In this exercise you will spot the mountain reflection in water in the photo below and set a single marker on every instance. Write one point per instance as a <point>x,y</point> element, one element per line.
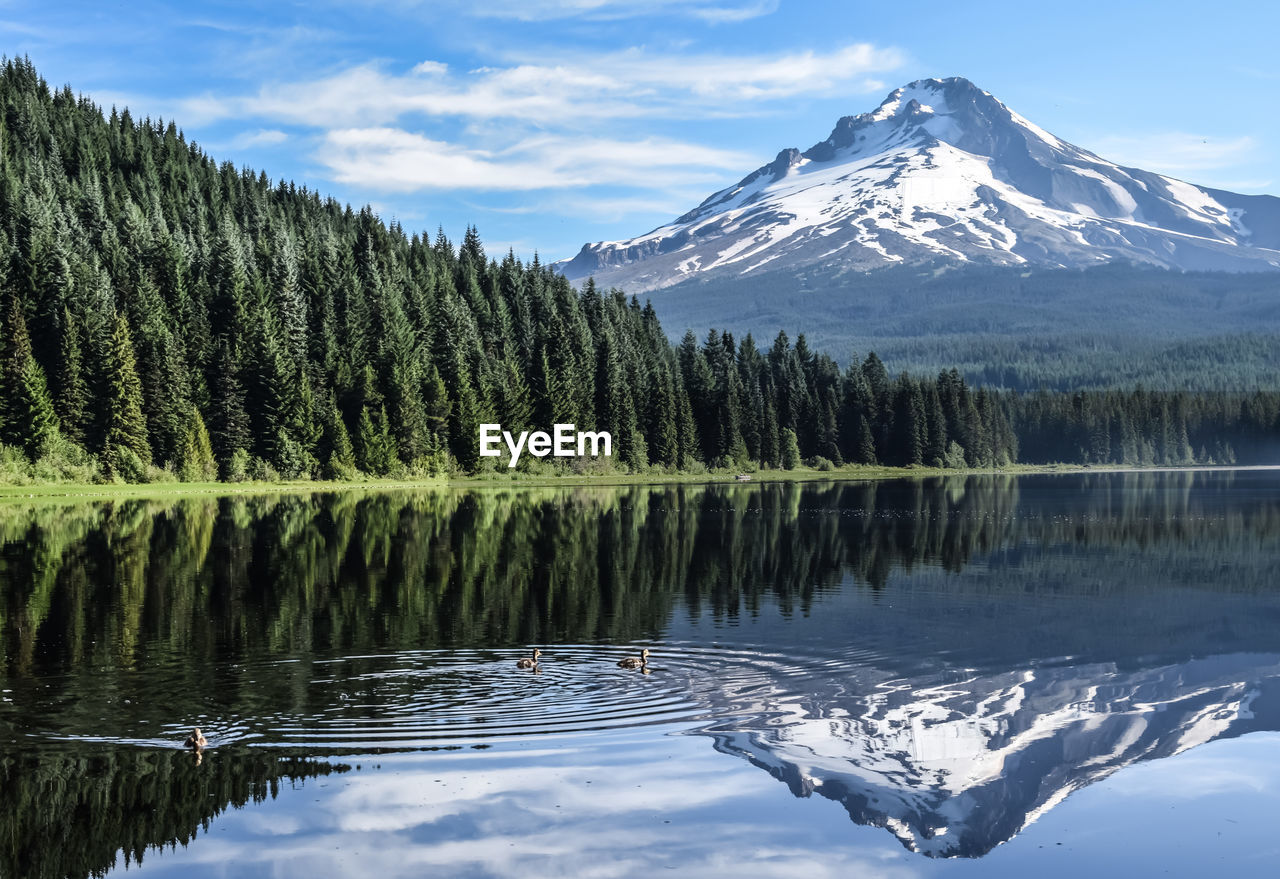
<point>946,658</point>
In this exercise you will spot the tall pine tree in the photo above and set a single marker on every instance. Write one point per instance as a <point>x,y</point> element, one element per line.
<point>126,427</point>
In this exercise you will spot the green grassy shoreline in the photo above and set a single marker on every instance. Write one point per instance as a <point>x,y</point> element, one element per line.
<point>89,492</point>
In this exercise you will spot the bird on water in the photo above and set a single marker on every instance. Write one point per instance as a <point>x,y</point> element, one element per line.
<point>640,661</point>
<point>530,661</point>
<point>195,740</point>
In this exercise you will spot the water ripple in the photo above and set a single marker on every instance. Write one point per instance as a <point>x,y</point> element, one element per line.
<point>430,698</point>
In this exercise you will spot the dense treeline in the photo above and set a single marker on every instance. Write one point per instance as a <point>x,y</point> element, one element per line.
<point>753,407</point>
<point>1070,361</point>
<point>1015,327</point>
<point>163,311</point>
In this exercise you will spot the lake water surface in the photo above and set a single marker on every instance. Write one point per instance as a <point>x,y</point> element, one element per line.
<point>995,676</point>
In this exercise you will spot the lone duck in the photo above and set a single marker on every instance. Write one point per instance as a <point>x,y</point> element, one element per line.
<point>530,661</point>
<point>635,661</point>
<point>196,740</point>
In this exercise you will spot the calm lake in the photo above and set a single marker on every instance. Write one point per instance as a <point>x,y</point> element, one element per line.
<point>1047,675</point>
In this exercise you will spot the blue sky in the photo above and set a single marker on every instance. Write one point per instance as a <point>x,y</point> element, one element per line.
<point>550,123</point>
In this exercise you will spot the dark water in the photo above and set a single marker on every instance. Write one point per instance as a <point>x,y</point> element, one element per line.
<point>984,675</point>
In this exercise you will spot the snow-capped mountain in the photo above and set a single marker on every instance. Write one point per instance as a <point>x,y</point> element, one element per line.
<point>944,172</point>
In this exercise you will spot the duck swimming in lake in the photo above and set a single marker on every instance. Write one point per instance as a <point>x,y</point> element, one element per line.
<point>530,661</point>
<point>640,661</point>
<point>195,740</point>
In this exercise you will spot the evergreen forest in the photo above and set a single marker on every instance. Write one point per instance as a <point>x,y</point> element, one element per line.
<point>167,316</point>
<point>1014,327</point>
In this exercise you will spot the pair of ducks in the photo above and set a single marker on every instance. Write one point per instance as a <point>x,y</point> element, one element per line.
<point>641,661</point>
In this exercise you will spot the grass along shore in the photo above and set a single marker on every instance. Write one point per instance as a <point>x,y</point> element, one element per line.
<point>115,491</point>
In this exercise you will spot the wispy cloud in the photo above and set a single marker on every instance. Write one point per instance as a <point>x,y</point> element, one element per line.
<point>668,202</point>
<point>22,28</point>
<point>1176,153</point>
<point>627,84</point>
<point>1257,73</point>
<point>713,11</point>
<point>601,133</point>
<point>394,160</point>
<point>527,125</point>
<point>261,137</point>
<point>722,13</point>
<point>587,818</point>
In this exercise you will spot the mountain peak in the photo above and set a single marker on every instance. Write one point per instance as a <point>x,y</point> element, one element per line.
<point>943,171</point>
<point>927,92</point>
<point>951,110</point>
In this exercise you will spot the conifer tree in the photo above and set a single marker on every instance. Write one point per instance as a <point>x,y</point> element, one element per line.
<point>750,365</point>
<point>340,459</point>
<point>790,449</point>
<point>73,388</point>
<point>376,451</point>
<point>27,418</point>
<point>661,423</point>
<point>699,383</point>
<point>975,444</point>
<point>408,414</point>
<point>436,402</point>
<point>908,423</point>
<point>229,308</point>
<point>229,420</point>
<point>882,402</point>
<point>287,292</point>
<point>196,462</point>
<point>686,427</point>
<point>613,405</point>
<point>126,426</point>
<point>770,441</point>
<point>935,451</point>
<point>865,445</point>
<point>457,350</point>
<point>828,439</point>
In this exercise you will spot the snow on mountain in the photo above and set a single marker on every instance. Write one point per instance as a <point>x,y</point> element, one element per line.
<point>942,171</point>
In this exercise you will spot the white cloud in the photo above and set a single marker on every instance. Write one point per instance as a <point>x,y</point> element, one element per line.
<point>391,159</point>
<point>1176,153</point>
<point>431,68</point>
<point>586,121</point>
<point>261,137</point>
<point>588,817</point>
<point>712,11</point>
<point>1234,767</point>
<point>8,26</point>
<point>721,13</point>
<point>669,202</point>
<point>1257,73</point>
<point>579,89</point>
<point>713,79</point>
